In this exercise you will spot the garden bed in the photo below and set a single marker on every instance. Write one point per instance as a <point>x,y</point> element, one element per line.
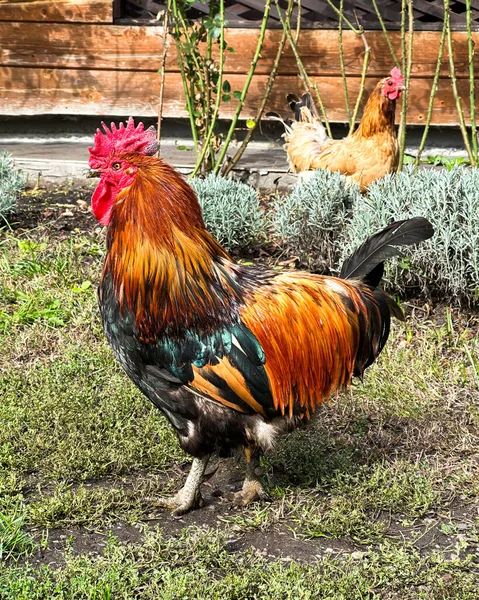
<point>378,498</point>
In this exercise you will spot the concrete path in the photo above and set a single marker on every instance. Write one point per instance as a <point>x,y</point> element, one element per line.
<point>55,151</point>
<point>48,162</point>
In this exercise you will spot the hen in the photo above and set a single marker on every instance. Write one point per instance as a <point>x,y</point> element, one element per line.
<point>231,355</point>
<point>363,156</point>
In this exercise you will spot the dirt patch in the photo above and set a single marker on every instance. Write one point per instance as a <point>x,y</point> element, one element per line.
<point>279,543</point>
<point>449,529</point>
<point>60,212</point>
<point>452,533</point>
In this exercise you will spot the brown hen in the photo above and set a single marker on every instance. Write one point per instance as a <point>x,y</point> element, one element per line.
<point>371,152</point>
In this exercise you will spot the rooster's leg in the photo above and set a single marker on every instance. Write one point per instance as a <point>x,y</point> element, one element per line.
<point>252,487</point>
<point>189,497</point>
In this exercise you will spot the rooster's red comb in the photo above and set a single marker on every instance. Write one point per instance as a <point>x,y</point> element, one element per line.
<point>118,140</point>
<point>397,76</point>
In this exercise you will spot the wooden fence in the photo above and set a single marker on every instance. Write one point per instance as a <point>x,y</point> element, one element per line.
<point>70,58</point>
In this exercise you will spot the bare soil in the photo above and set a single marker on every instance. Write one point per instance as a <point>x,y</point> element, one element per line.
<point>61,212</point>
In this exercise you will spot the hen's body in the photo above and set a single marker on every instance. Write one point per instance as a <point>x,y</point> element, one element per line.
<point>369,153</point>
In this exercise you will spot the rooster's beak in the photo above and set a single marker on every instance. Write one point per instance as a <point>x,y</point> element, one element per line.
<point>92,173</point>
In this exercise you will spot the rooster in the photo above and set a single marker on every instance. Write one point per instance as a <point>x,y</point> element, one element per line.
<point>232,355</point>
<point>367,154</point>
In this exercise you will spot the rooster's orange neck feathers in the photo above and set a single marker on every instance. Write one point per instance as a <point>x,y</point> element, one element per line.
<point>165,267</point>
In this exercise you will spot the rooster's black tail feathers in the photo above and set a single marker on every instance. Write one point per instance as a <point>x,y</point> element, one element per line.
<point>367,262</point>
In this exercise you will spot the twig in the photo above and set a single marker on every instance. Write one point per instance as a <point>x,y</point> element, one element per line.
<point>452,68</point>
<point>341,16</point>
<point>266,94</point>
<point>298,22</point>
<point>341,63</point>
<point>219,89</point>
<point>386,33</point>
<point>184,79</point>
<point>367,52</point>
<point>407,67</point>
<point>308,84</point>
<point>432,94</point>
<point>472,93</point>
<point>206,70</point>
<point>185,31</point>
<point>185,56</point>
<point>162,72</point>
<point>249,77</point>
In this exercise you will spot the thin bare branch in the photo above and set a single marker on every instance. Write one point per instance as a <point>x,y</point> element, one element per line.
<point>166,41</point>
<point>432,94</point>
<point>407,40</point>
<point>452,69</point>
<point>341,64</point>
<point>367,53</point>
<point>259,113</point>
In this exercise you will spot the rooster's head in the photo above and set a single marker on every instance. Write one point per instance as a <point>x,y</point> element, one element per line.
<point>109,163</point>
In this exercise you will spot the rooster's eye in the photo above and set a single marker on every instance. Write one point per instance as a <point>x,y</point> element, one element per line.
<point>116,166</point>
<point>390,82</point>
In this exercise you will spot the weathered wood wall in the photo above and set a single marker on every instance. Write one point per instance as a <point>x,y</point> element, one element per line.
<point>76,61</point>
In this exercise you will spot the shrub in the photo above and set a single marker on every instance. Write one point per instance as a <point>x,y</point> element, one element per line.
<point>310,220</point>
<point>231,211</point>
<point>449,262</point>
<point>12,183</point>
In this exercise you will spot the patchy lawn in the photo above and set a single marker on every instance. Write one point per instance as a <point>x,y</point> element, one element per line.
<point>378,498</point>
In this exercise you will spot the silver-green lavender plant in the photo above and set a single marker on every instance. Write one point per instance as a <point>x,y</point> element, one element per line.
<point>231,211</point>
<point>309,221</point>
<point>12,182</point>
<point>449,262</point>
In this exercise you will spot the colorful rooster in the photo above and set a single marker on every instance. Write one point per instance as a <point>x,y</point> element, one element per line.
<point>369,153</point>
<point>231,355</point>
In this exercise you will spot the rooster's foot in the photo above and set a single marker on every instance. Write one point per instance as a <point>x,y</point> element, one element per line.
<point>189,497</point>
<point>181,503</point>
<point>252,490</point>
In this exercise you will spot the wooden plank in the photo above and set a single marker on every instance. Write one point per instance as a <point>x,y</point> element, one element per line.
<point>58,11</point>
<point>31,91</point>
<point>319,51</point>
<point>114,47</point>
<point>82,46</point>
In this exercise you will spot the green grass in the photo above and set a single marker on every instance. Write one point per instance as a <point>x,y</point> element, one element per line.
<point>162,568</point>
<point>378,498</point>
<point>14,541</point>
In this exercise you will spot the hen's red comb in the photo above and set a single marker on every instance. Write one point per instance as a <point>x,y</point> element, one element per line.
<point>122,139</point>
<point>397,76</point>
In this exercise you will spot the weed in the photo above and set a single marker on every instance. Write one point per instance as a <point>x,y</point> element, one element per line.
<point>14,541</point>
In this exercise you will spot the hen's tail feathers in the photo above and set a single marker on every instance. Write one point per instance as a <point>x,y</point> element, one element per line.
<point>272,116</point>
<point>304,109</point>
<point>307,136</point>
<point>367,262</point>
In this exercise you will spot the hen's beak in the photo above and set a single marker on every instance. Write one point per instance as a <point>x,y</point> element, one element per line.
<point>92,173</point>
